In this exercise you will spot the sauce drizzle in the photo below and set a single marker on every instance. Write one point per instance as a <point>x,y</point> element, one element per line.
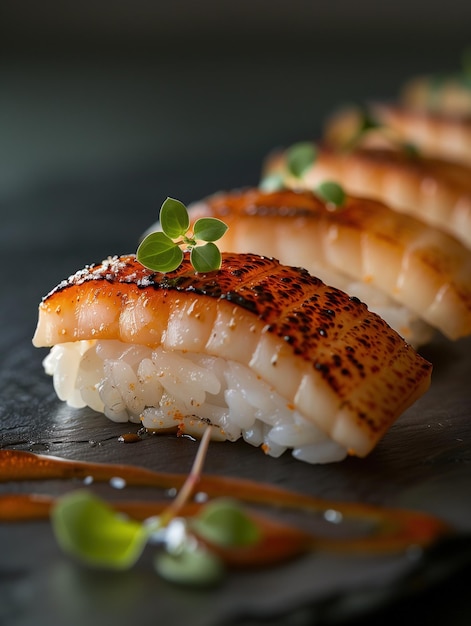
<point>390,529</point>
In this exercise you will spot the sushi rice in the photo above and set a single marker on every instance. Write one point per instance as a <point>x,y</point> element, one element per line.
<point>169,389</point>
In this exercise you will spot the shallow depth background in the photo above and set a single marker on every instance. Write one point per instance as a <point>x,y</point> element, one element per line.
<point>105,109</point>
<point>107,104</point>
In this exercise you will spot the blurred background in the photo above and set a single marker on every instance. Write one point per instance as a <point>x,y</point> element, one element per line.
<point>107,107</point>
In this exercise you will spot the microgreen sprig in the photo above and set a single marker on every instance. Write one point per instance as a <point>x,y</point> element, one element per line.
<point>299,158</point>
<point>367,123</point>
<point>162,251</point>
<point>88,529</point>
<point>437,82</point>
<point>332,193</point>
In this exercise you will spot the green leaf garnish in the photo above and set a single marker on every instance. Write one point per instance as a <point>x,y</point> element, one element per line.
<point>331,193</point>
<point>174,218</point>
<point>191,566</point>
<point>158,251</point>
<point>299,158</point>
<point>206,258</point>
<point>272,182</point>
<point>209,229</point>
<point>410,149</point>
<point>88,529</point>
<point>91,531</point>
<point>223,522</point>
<point>466,68</point>
<point>367,122</point>
<point>466,60</point>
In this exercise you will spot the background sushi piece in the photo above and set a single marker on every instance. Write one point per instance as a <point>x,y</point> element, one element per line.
<point>119,98</point>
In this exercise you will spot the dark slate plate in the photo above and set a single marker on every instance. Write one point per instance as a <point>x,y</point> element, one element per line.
<point>424,463</point>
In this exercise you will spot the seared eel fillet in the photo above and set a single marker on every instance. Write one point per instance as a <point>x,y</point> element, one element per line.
<point>335,364</point>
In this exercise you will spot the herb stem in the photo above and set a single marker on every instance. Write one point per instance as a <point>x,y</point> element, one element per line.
<point>189,241</point>
<point>192,479</point>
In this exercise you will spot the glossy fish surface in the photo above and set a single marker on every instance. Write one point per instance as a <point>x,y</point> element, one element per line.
<point>338,363</point>
<point>418,266</point>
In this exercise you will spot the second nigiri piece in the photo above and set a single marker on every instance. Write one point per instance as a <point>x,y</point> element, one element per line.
<point>435,191</point>
<point>416,277</point>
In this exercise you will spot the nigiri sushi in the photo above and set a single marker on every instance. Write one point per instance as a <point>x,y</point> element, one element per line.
<point>434,112</point>
<point>448,94</point>
<point>435,134</point>
<point>414,276</point>
<point>434,191</point>
<point>256,350</point>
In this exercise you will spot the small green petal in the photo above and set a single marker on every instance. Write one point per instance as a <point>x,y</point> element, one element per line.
<point>192,566</point>
<point>367,121</point>
<point>209,229</point>
<point>411,150</point>
<point>465,80</point>
<point>89,530</point>
<point>331,193</point>
<point>206,258</point>
<point>158,252</point>
<point>223,522</point>
<point>466,62</point>
<point>300,156</point>
<point>272,182</point>
<point>174,218</point>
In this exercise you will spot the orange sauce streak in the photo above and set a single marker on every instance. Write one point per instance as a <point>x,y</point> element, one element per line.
<point>393,529</point>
